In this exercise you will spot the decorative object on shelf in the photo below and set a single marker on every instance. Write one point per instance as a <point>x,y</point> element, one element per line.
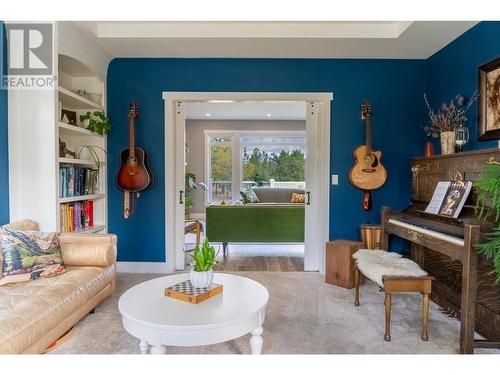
<point>461,137</point>
<point>489,101</point>
<point>447,142</point>
<point>82,93</point>
<point>97,122</point>
<point>202,274</point>
<point>431,132</point>
<point>450,116</point>
<point>134,174</point>
<point>95,97</point>
<point>185,291</point>
<point>88,152</point>
<point>367,173</point>
<point>63,151</point>
<point>190,185</point>
<point>68,117</point>
<point>488,205</point>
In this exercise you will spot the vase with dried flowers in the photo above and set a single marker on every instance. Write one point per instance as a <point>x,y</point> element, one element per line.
<point>450,116</point>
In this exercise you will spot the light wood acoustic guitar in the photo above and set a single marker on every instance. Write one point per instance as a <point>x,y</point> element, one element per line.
<point>367,173</point>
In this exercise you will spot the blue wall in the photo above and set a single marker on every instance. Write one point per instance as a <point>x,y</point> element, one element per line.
<point>4,163</point>
<point>393,86</point>
<point>453,70</point>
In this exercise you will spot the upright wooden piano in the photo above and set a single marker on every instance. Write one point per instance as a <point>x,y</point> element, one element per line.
<point>444,247</point>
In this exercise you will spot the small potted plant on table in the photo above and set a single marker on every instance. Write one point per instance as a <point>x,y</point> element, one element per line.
<point>202,274</point>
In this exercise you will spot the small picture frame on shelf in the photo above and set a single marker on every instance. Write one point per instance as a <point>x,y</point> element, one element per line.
<point>68,117</point>
<point>489,101</point>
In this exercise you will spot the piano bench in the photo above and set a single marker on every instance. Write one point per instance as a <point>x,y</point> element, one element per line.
<point>394,274</point>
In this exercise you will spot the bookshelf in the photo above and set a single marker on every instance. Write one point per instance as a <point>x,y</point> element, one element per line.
<point>74,76</point>
<point>35,127</point>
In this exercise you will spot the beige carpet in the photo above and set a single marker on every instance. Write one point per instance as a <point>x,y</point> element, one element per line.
<point>305,315</point>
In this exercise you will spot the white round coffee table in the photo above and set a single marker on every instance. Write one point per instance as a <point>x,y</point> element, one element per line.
<point>162,321</point>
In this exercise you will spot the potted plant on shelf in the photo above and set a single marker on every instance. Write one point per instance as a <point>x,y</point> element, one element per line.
<point>202,274</point>
<point>488,206</point>
<point>450,116</point>
<point>89,152</point>
<point>97,122</point>
<point>190,185</point>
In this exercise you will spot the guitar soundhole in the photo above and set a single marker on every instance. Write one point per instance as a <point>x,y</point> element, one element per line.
<point>132,162</point>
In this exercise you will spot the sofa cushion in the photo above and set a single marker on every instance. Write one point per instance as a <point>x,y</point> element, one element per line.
<point>30,310</point>
<point>25,224</point>
<point>29,255</point>
<point>249,196</point>
<point>277,195</point>
<point>298,198</point>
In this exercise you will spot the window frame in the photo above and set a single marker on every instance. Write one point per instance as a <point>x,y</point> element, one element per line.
<point>237,157</point>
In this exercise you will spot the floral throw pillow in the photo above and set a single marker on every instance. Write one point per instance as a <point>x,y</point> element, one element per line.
<point>249,196</point>
<point>298,198</point>
<point>29,255</point>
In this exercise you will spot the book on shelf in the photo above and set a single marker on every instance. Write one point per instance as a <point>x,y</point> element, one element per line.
<point>76,216</point>
<point>449,198</point>
<point>77,181</point>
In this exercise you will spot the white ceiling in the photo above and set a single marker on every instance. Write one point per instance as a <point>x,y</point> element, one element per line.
<point>278,110</point>
<point>398,40</point>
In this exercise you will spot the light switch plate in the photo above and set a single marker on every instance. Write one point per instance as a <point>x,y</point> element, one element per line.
<point>335,179</point>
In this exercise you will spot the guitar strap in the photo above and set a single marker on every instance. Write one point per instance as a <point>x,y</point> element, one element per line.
<point>126,204</point>
<point>129,203</point>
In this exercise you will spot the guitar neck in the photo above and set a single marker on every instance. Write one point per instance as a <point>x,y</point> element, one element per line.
<point>368,135</point>
<point>131,137</point>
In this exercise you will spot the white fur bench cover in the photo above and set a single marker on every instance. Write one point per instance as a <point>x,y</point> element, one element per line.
<point>377,263</point>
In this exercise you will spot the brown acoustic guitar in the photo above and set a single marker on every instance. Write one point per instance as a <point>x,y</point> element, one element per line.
<point>367,173</point>
<point>134,174</point>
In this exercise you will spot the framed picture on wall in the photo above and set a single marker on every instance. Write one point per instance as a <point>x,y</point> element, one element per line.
<point>489,101</point>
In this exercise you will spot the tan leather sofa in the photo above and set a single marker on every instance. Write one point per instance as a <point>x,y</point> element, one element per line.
<point>34,314</point>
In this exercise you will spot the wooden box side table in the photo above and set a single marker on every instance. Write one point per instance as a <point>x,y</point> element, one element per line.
<point>339,263</point>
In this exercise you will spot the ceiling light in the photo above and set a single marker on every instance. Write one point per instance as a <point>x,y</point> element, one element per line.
<point>208,114</point>
<point>268,115</point>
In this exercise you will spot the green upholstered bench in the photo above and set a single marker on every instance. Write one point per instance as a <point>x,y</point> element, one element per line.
<point>260,222</point>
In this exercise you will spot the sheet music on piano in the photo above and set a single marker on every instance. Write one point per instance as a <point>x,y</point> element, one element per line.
<point>449,198</point>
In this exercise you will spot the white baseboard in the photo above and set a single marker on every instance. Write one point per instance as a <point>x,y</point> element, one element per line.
<point>141,267</point>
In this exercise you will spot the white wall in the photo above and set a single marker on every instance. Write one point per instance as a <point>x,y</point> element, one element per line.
<point>195,139</point>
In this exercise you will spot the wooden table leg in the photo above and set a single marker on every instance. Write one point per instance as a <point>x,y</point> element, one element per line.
<point>198,233</point>
<point>425,317</point>
<point>388,305</point>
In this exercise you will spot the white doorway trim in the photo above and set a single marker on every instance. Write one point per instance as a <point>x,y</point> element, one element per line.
<point>321,101</point>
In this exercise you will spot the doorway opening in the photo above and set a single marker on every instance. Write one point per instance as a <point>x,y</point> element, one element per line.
<point>238,148</point>
<point>270,155</point>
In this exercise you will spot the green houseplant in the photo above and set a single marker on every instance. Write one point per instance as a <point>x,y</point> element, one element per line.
<point>204,257</point>
<point>488,206</point>
<point>88,151</point>
<point>98,122</point>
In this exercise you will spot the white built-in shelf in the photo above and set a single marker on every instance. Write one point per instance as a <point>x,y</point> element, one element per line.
<point>74,101</point>
<point>94,229</point>
<point>78,161</point>
<point>68,129</point>
<point>92,197</point>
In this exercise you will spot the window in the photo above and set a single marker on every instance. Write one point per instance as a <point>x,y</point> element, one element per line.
<point>220,168</point>
<point>273,160</point>
<point>266,159</point>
